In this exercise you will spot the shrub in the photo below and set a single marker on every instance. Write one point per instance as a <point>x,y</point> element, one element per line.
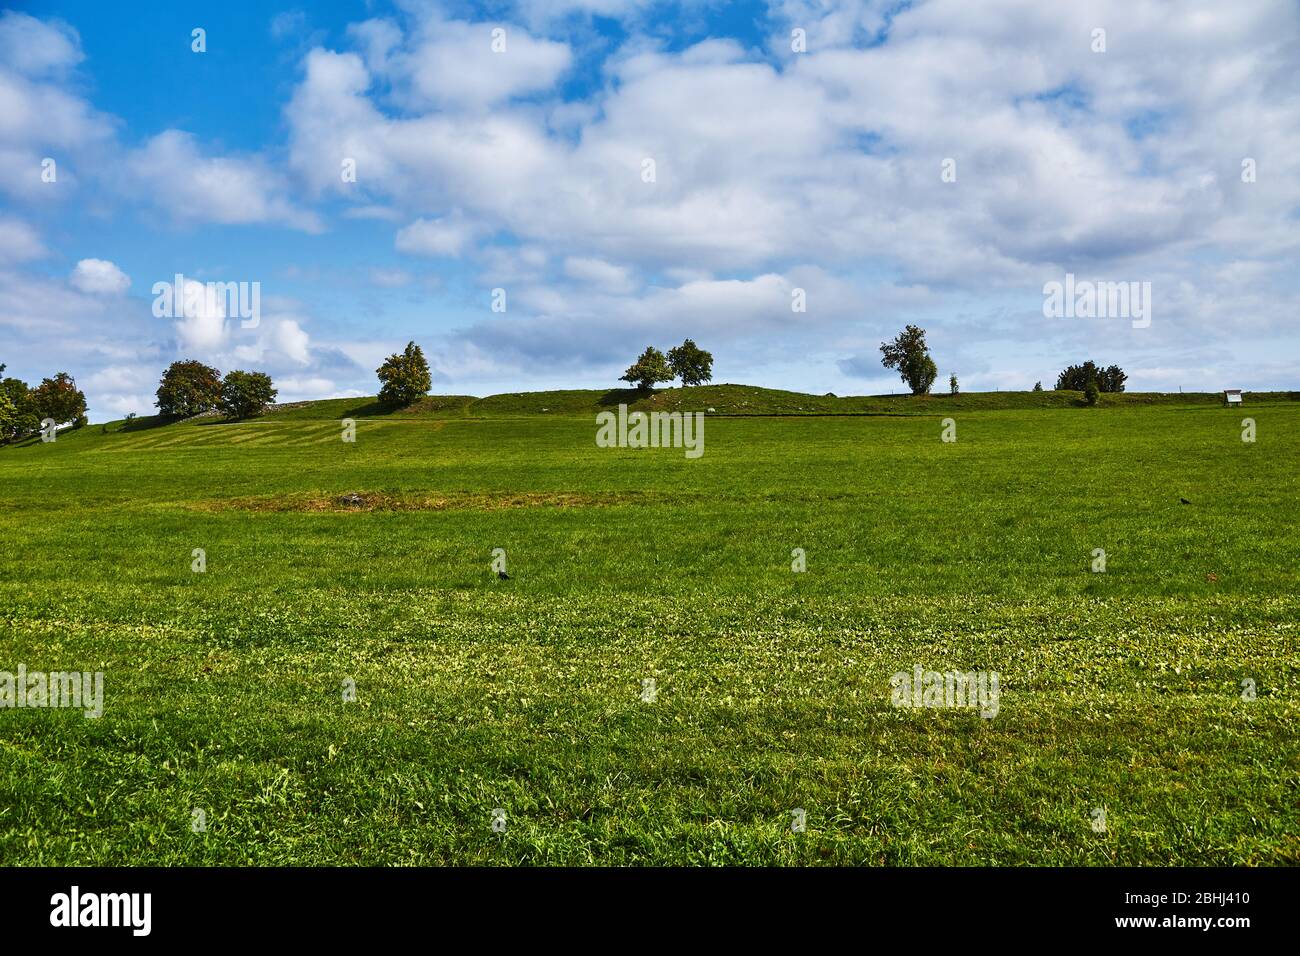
<point>1092,393</point>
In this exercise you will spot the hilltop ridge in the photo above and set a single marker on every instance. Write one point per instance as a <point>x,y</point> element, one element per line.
<point>732,399</point>
<point>725,400</point>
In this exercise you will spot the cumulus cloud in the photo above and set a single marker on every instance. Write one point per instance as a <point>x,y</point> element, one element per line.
<point>171,170</point>
<point>99,277</point>
<point>455,64</point>
<point>290,340</point>
<point>201,325</point>
<point>821,155</point>
<point>1122,163</point>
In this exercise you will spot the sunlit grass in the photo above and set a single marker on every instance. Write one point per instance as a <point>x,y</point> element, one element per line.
<point>1120,690</point>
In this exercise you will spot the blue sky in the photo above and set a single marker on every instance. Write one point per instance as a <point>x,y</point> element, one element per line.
<point>797,145</point>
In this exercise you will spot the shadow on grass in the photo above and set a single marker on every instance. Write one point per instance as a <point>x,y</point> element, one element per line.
<point>370,410</point>
<point>626,396</point>
<point>140,424</point>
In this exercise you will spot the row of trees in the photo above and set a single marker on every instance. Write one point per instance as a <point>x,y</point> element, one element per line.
<point>22,409</point>
<point>404,377</point>
<point>687,361</point>
<point>909,354</point>
<point>191,388</point>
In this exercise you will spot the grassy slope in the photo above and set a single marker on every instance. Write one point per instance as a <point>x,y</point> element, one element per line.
<point>748,400</point>
<point>723,399</point>
<point>1120,689</point>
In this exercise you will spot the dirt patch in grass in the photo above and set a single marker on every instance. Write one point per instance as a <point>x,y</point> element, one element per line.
<point>364,501</point>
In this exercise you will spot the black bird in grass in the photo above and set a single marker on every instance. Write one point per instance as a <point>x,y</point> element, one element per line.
<point>501,575</point>
<point>1184,501</point>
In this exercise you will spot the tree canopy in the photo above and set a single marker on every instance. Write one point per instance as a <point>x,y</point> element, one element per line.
<point>1076,378</point>
<point>650,368</point>
<point>18,417</point>
<point>690,363</point>
<point>908,354</point>
<point>59,398</point>
<point>245,394</point>
<point>189,388</point>
<point>404,377</point>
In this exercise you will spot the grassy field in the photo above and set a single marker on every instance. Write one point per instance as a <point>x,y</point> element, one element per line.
<point>223,690</point>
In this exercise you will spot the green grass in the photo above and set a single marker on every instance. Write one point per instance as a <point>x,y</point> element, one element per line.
<point>223,689</point>
<point>729,400</point>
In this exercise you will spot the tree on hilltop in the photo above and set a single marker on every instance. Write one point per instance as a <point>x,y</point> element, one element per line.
<point>404,378</point>
<point>245,394</point>
<point>1075,378</point>
<point>908,354</point>
<point>690,363</point>
<point>58,398</point>
<point>188,388</point>
<point>650,368</point>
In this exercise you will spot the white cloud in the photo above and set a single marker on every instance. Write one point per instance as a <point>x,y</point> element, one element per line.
<point>201,321</point>
<point>834,155</point>
<point>172,172</point>
<point>19,242</point>
<point>99,277</point>
<point>434,237</point>
<point>378,40</point>
<point>39,118</point>
<point>36,47</point>
<point>598,272</point>
<point>291,341</point>
<point>452,64</point>
<point>309,388</point>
